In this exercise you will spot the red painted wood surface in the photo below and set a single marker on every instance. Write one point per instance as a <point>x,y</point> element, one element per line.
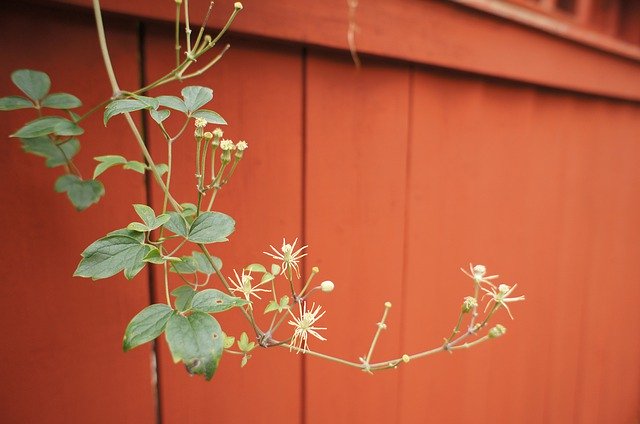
<point>357,125</point>
<point>444,34</point>
<point>61,336</point>
<point>263,105</point>
<point>396,175</point>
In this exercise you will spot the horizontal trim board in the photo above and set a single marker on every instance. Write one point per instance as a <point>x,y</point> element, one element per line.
<point>439,33</point>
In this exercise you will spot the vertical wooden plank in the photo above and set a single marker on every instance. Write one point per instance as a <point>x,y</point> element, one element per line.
<point>536,184</point>
<point>258,90</point>
<point>355,194</point>
<point>61,353</point>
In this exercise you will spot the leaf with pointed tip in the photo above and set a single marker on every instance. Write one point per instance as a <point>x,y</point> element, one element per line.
<point>117,107</point>
<point>122,250</point>
<point>61,101</point>
<point>146,325</point>
<point>48,125</point>
<point>173,102</point>
<point>107,162</point>
<point>154,256</point>
<point>255,268</point>
<point>212,301</point>
<point>135,165</point>
<point>34,84</point>
<point>210,116</point>
<point>197,341</point>
<point>177,224</point>
<point>195,97</point>
<point>203,265</point>
<point>211,227</point>
<point>81,193</point>
<point>15,103</point>
<point>183,295</point>
<point>55,155</point>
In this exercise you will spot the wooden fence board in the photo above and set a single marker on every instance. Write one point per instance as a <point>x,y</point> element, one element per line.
<point>258,90</point>
<point>61,356</point>
<point>355,191</point>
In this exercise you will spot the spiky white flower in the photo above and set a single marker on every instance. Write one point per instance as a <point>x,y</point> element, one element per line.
<point>304,325</point>
<point>477,273</point>
<point>288,256</point>
<point>501,296</point>
<point>201,123</point>
<point>217,132</point>
<point>242,284</point>
<point>241,145</point>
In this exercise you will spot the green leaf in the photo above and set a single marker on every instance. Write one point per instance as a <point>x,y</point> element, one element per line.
<point>244,344</point>
<point>177,224</point>
<point>228,341</point>
<point>54,155</point>
<point>189,211</point>
<point>154,256</point>
<point>211,227</point>
<point>162,168</point>
<point>146,213</point>
<point>122,250</point>
<point>272,306</point>
<point>212,301</point>
<point>48,125</point>
<point>81,193</point>
<point>173,102</point>
<point>107,162</point>
<point>195,97</point>
<point>266,277</point>
<point>275,269</point>
<point>146,325</point>
<point>135,165</point>
<point>203,265</point>
<point>34,84</point>
<point>197,341</point>
<point>150,102</point>
<point>15,103</point>
<point>136,226</point>
<point>117,107</point>
<point>186,265</point>
<point>183,295</point>
<point>210,116</point>
<point>255,268</point>
<point>159,115</point>
<point>61,101</point>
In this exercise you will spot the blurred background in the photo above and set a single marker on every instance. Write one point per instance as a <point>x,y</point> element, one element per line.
<point>505,133</point>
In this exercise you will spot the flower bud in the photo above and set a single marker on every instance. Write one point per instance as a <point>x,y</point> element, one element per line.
<point>497,331</point>
<point>468,304</point>
<point>217,132</point>
<point>327,286</point>
<point>208,136</point>
<point>387,304</point>
<point>238,5</point>
<point>405,358</point>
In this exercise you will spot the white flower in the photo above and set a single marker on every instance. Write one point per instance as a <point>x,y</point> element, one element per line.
<point>243,285</point>
<point>327,286</point>
<point>227,144</point>
<point>287,255</point>
<point>217,132</point>
<point>304,325</point>
<point>242,145</point>
<point>201,122</point>
<point>477,273</point>
<point>468,304</point>
<point>501,297</point>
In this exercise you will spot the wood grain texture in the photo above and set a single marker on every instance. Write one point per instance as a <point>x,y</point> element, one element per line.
<point>61,352</point>
<point>357,123</point>
<point>536,185</point>
<point>430,32</point>
<point>258,90</point>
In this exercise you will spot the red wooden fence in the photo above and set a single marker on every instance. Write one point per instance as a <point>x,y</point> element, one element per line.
<point>464,137</point>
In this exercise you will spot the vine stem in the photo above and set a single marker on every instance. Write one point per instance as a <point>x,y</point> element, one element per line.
<point>116,89</point>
